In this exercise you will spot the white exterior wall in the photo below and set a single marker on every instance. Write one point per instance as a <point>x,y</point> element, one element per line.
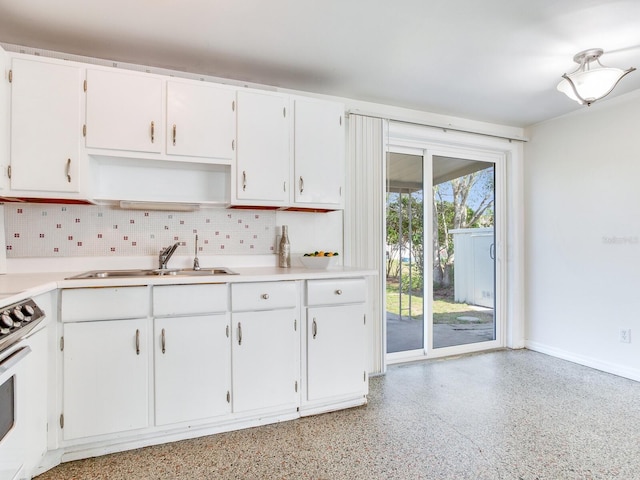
<point>474,278</point>
<point>582,211</point>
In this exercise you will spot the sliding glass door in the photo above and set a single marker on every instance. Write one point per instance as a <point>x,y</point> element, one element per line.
<point>463,219</point>
<point>404,262</point>
<point>440,253</point>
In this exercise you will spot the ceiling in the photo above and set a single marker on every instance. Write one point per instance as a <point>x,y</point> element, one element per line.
<point>404,172</point>
<point>492,60</point>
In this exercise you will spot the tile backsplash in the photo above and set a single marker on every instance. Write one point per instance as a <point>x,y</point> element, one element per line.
<point>36,230</point>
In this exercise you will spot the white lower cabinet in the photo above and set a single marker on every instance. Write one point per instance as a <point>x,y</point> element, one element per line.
<point>106,377</point>
<point>335,351</point>
<point>335,340</point>
<point>265,347</point>
<point>264,360</point>
<point>146,364</point>
<point>192,353</point>
<point>105,361</point>
<point>192,368</point>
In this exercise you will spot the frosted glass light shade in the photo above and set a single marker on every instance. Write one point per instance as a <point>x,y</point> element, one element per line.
<point>586,84</point>
<point>591,85</point>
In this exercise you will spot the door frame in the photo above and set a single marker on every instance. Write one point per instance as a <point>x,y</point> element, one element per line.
<point>507,156</point>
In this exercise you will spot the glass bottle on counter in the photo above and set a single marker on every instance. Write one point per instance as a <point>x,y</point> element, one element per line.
<point>284,252</point>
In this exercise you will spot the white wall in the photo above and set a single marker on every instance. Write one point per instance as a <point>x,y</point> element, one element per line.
<point>582,221</point>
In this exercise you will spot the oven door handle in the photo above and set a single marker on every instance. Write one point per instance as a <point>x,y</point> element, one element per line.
<point>13,359</point>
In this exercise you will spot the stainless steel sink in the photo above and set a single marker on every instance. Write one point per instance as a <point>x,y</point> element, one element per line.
<point>201,272</point>
<point>184,272</point>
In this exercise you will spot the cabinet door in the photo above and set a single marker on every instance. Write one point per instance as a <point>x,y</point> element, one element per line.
<point>106,370</point>
<point>45,126</point>
<point>192,367</point>
<point>318,152</point>
<point>200,120</point>
<point>262,157</point>
<point>264,358</point>
<point>335,351</point>
<point>124,111</point>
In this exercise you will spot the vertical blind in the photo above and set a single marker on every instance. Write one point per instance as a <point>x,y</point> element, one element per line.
<point>364,222</point>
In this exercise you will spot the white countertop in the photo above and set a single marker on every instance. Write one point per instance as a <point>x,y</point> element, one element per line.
<point>17,286</point>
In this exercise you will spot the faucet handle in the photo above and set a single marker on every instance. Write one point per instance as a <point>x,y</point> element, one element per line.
<point>196,262</point>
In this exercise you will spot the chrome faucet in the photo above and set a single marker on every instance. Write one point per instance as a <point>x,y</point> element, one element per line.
<point>165,255</point>
<point>196,262</point>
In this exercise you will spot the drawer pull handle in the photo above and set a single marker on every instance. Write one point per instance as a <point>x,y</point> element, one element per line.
<point>338,292</point>
<point>239,334</point>
<point>164,341</point>
<point>137,342</point>
<point>265,296</point>
<point>314,328</point>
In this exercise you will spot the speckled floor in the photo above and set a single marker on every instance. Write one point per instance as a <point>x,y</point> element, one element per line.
<point>512,415</point>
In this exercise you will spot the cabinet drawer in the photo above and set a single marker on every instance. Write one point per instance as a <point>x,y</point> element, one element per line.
<point>88,304</point>
<point>336,291</point>
<point>263,296</point>
<point>189,299</point>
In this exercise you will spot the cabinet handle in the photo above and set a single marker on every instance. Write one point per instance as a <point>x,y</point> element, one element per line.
<point>137,342</point>
<point>314,328</point>
<point>244,180</point>
<point>153,131</point>
<point>227,331</point>
<point>69,170</point>
<point>338,292</point>
<point>239,334</point>
<point>301,185</point>
<point>233,145</point>
<point>174,134</point>
<point>265,296</point>
<point>164,341</point>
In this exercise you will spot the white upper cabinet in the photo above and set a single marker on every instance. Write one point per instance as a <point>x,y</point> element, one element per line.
<point>5,120</point>
<point>200,120</point>
<point>318,153</point>
<point>262,158</point>
<point>124,111</point>
<point>46,130</point>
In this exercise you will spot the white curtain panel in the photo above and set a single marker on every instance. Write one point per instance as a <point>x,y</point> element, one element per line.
<point>364,221</point>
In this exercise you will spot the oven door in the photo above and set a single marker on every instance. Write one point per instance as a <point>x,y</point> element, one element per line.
<point>13,441</point>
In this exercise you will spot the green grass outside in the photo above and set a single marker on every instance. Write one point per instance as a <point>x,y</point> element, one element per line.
<point>445,310</point>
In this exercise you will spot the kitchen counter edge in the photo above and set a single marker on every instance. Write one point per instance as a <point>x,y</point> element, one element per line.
<point>18,286</point>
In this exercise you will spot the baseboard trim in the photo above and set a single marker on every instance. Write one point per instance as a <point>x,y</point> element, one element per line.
<point>608,367</point>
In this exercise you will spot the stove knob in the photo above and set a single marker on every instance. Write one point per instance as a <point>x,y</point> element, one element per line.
<point>6,321</point>
<point>27,310</point>
<point>17,315</point>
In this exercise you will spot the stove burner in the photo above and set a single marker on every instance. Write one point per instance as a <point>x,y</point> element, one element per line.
<point>17,320</point>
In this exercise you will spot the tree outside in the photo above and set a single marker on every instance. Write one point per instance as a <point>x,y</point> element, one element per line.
<point>464,202</point>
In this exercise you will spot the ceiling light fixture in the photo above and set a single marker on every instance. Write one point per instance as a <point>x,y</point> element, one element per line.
<point>590,82</point>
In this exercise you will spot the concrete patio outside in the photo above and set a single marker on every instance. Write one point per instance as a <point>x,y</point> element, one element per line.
<point>406,333</point>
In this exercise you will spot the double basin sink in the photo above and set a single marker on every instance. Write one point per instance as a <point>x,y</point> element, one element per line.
<point>156,272</point>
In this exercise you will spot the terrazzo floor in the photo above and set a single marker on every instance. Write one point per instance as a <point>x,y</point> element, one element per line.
<point>512,415</point>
